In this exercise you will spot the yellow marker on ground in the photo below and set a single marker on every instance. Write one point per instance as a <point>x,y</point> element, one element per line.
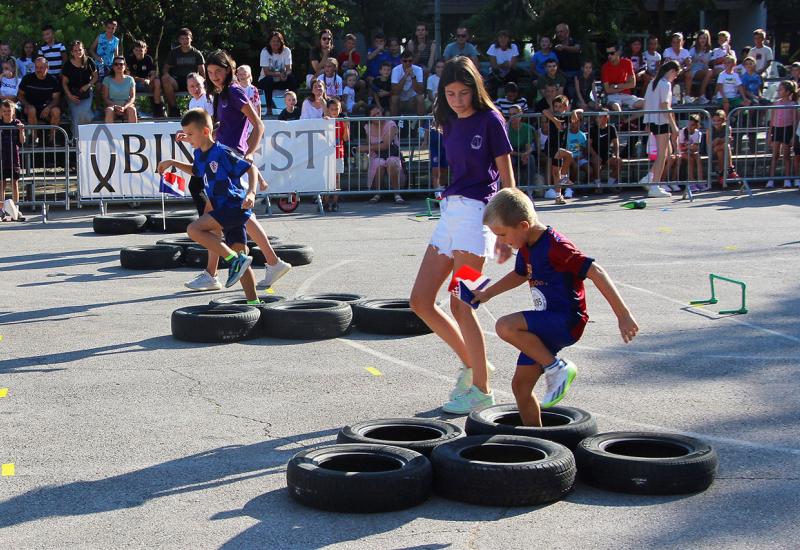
<point>730,247</point>
<point>373,371</point>
<point>3,392</point>
<point>665,229</point>
<point>270,291</point>
<point>7,470</point>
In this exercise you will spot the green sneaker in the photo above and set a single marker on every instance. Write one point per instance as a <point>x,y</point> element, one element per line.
<point>558,379</point>
<point>467,402</point>
<point>464,380</point>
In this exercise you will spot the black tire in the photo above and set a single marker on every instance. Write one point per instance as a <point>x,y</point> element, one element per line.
<point>359,478</point>
<point>183,242</point>
<point>646,463</point>
<point>149,215</point>
<point>258,257</point>
<point>387,317</point>
<point>294,254</point>
<point>273,241</point>
<point>503,470</point>
<point>565,425</point>
<point>221,324</point>
<point>239,300</point>
<point>119,224</point>
<point>197,256</point>
<point>417,434</point>
<point>306,319</point>
<point>176,222</point>
<point>160,256</point>
<point>338,296</point>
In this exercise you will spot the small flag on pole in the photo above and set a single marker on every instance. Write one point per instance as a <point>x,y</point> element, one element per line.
<point>465,281</point>
<point>173,184</point>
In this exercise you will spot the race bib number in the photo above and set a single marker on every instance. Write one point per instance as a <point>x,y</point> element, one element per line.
<point>539,300</point>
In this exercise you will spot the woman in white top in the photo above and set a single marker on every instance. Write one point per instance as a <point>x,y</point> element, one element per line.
<point>276,68</point>
<point>701,66</point>
<point>314,105</point>
<point>658,97</point>
<point>678,53</point>
<point>503,57</point>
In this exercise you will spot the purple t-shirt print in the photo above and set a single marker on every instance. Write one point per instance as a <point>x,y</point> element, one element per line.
<point>472,144</point>
<point>232,120</point>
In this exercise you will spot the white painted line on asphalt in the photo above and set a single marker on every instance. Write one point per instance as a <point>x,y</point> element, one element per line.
<point>668,354</point>
<point>308,282</point>
<point>733,318</point>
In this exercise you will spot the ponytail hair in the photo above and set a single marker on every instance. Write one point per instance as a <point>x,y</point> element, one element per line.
<point>221,58</point>
<point>791,87</point>
<point>670,65</point>
<point>460,69</point>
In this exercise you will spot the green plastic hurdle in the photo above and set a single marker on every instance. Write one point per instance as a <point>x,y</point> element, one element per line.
<point>429,202</point>
<point>713,300</point>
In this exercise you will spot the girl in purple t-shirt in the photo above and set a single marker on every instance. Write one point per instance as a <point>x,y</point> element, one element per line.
<point>478,152</point>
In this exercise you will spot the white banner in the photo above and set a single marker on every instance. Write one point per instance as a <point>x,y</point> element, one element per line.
<point>119,160</point>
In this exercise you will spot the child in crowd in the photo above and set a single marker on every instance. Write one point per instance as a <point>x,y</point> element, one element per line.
<point>689,140</point>
<point>244,77</point>
<point>438,155</point>
<point>382,87</point>
<point>25,63</point>
<point>555,269</point>
<point>576,145</point>
<point>9,81</point>
<point>352,105</point>
<point>221,169</point>
<point>584,84</point>
<point>721,147</point>
<point>512,99</point>
<point>761,52</point>
<point>520,134</point>
<point>332,81</point>
<point>652,61</point>
<point>560,157</point>
<point>540,58</point>
<point>752,82</point>
<point>291,112</point>
<point>636,55</point>
<point>729,87</point>
<point>432,86</point>
<point>196,86</point>
<point>349,58</point>
<point>722,51</point>
<point>604,149</point>
<point>12,136</point>
<point>333,110</point>
<point>782,124</point>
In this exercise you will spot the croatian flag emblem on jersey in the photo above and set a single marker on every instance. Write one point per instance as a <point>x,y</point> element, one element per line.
<point>465,282</point>
<point>173,184</point>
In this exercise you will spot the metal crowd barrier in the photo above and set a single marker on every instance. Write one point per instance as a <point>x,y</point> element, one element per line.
<point>47,167</point>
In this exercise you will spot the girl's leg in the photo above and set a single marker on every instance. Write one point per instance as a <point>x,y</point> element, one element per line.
<point>130,114</point>
<point>525,378</point>
<point>776,153</point>
<point>706,79</point>
<point>663,143</point>
<point>689,166</point>
<point>213,257</point>
<point>787,162</point>
<point>109,116</point>
<point>469,326</point>
<point>14,191</point>
<point>257,233</point>
<point>248,280</point>
<point>394,176</point>
<point>687,83</point>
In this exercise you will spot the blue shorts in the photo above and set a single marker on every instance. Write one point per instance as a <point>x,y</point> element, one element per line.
<point>438,154</point>
<point>556,330</point>
<point>232,221</point>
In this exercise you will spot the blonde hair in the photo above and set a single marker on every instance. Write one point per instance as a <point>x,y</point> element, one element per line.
<point>509,208</point>
<point>290,93</point>
<point>247,69</point>
<point>726,34</point>
<point>199,78</point>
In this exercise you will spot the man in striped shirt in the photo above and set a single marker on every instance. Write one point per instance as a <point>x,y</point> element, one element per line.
<point>54,52</point>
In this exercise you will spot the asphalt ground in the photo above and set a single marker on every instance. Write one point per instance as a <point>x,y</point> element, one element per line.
<point>122,437</point>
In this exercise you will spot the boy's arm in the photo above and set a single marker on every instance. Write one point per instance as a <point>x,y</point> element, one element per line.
<point>252,179</point>
<point>511,280</point>
<point>627,324</point>
<point>165,165</point>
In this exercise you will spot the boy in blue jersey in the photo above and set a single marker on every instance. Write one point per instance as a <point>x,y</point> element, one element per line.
<point>555,270</point>
<point>220,168</point>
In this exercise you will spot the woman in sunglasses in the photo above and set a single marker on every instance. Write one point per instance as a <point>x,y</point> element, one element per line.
<point>119,93</point>
<point>319,56</point>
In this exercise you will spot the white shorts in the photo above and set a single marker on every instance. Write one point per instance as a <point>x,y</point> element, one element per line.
<point>461,228</point>
<point>626,100</point>
<point>340,166</point>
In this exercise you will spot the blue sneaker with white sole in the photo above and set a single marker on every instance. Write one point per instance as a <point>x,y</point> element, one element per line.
<point>237,269</point>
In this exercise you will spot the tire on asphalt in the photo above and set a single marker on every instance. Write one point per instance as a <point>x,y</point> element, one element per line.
<point>565,425</point>
<point>646,463</point>
<point>306,319</point>
<point>294,254</point>
<point>197,256</point>
<point>417,434</point>
<point>176,222</point>
<point>183,242</point>
<point>242,301</point>
<point>345,297</point>
<point>160,256</point>
<point>119,224</point>
<point>215,324</point>
<point>392,316</point>
<point>359,478</point>
<point>503,470</point>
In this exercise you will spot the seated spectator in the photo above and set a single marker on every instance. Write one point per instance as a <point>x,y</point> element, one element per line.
<point>40,95</point>
<point>276,68</point>
<point>349,58</point>
<point>729,87</point>
<point>512,99</point>
<point>382,87</point>
<point>604,150</point>
<point>433,82</point>
<point>25,60</point>
<point>319,56</point>
<point>244,77</point>
<point>689,140</point>
<point>584,86</point>
<point>652,61</point>
<point>105,48</point>
<point>678,53</point>
<point>567,50</point>
<point>503,57</point>
<point>78,77</point>
<point>291,112</point>
<point>636,54</point>
<point>180,62</point>
<point>794,72</point>
<point>619,80</point>
<point>722,51</point>
<point>721,146</point>
<point>700,69</point>
<point>9,81</point>
<point>350,104</point>
<point>119,93</point>
<point>461,47</point>
<point>552,76</point>
<point>408,90</point>
<point>377,55</point>
<point>540,58</point>
<point>199,98</point>
<point>332,81</point>
<point>395,51</point>
<point>383,148</point>
<point>752,82</point>
<point>425,51</point>
<point>520,134</point>
<point>5,51</point>
<point>744,54</point>
<point>549,93</point>
<point>314,105</point>
<point>143,70</point>
<point>761,53</point>
<point>577,144</point>
<point>54,52</point>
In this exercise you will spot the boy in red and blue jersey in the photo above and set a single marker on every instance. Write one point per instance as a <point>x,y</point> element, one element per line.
<point>220,168</point>
<point>554,269</point>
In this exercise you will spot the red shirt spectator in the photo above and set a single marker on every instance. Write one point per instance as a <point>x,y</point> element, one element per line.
<point>617,74</point>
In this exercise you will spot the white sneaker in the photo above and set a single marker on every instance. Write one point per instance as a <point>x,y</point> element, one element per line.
<point>398,199</point>
<point>467,402</point>
<point>797,183</point>
<point>655,192</point>
<point>464,380</point>
<point>702,101</point>
<point>647,179</point>
<point>557,380</point>
<point>675,188</point>
<point>274,272</point>
<point>204,281</point>
<point>550,194</point>
<point>568,193</point>
<point>770,183</point>
<point>787,183</point>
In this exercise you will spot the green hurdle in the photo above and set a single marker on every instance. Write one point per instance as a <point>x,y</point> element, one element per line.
<point>713,299</point>
<point>429,202</point>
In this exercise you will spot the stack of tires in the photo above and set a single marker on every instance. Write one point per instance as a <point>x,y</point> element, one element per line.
<point>136,222</point>
<point>396,463</point>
